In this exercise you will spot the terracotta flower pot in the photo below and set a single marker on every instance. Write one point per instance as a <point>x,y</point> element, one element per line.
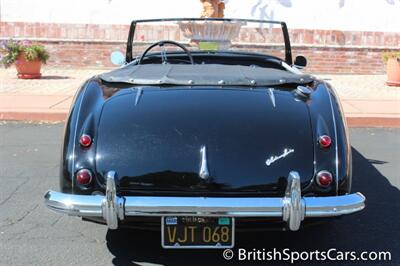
<point>393,72</point>
<point>28,69</point>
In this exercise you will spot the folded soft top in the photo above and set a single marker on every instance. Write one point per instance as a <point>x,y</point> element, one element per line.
<point>210,74</point>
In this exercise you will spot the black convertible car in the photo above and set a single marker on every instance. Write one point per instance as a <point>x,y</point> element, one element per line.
<point>205,130</point>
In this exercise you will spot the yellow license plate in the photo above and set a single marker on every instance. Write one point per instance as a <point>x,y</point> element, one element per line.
<point>197,232</point>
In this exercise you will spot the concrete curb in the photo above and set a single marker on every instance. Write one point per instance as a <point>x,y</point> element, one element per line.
<point>388,122</point>
<point>41,116</point>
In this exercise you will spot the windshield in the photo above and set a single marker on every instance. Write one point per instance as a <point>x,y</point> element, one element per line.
<point>256,36</point>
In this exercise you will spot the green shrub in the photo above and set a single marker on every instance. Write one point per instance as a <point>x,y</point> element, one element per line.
<point>387,55</point>
<point>10,50</point>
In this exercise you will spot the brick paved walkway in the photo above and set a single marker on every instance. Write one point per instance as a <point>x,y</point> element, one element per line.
<point>53,82</point>
<point>362,87</point>
<point>362,96</point>
<point>66,81</point>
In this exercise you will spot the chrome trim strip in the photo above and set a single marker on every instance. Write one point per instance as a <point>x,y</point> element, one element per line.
<point>272,96</point>
<point>139,93</point>
<point>201,206</point>
<point>74,205</point>
<point>78,205</point>
<point>203,173</point>
<point>292,207</point>
<point>334,205</point>
<point>336,142</point>
<point>76,133</point>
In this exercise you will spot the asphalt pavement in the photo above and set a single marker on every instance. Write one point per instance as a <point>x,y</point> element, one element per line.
<point>30,234</point>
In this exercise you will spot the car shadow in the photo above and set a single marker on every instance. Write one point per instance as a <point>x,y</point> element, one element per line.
<point>54,77</point>
<point>374,229</point>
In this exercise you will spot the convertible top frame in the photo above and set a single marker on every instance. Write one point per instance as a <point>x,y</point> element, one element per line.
<point>288,50</point>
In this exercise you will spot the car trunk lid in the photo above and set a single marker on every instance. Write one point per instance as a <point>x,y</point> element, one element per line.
<point>253,138</point>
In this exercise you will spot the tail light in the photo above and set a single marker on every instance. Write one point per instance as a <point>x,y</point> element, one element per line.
<point>324,178</point>
<point>84,177</point>
<point>85,141</point>
<point>325,141</point>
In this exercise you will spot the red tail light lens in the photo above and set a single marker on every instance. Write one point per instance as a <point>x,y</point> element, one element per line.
<point>85,140</point>
<point>325,141</point>
<point>324,178</point>
<point>84,177</point>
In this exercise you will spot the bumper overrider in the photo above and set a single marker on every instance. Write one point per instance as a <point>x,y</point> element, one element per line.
<point>293,208</point>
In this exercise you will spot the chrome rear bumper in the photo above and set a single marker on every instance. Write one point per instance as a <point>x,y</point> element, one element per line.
<point>292,207</point>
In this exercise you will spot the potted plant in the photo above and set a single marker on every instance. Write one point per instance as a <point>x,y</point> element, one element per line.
<point>27,57</point>
<point>392,60</point>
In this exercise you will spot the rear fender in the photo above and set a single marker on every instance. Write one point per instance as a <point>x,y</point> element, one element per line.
<point>82,119</point>
<point>327,118</point>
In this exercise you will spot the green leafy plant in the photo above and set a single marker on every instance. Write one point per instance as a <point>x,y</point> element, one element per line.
<point>10,50</point>
<point>387,55</point>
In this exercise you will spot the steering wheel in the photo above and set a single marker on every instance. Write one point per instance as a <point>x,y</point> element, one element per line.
<point>163,52</point>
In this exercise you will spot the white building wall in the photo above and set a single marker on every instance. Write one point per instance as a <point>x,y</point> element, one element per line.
<point>354,15</point>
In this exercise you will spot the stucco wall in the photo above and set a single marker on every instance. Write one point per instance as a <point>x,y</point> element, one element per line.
<point>338,36</point>
<point>345,15</point>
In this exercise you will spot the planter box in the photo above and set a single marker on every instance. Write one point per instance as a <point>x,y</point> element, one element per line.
<point>28,69</point>
<point>211,31</point>
<point>393,72</point>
